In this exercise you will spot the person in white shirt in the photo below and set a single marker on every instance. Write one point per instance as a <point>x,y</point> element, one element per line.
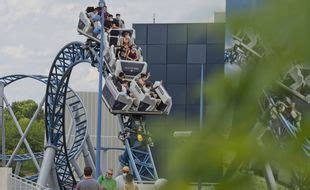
<point>120,180</point>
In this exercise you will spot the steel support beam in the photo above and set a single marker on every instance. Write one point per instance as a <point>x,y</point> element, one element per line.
<point>77,169</point>
<point>87,158</point>
<point>270,180</point>
<point>91,148</point>
<point>21,133</point>
<point>99,119</point>
<point>2,121</point>
<point>18,167</point>
<point>26,132</point>
<point>47,164</point>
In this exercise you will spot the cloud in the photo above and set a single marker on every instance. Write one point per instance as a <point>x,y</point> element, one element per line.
<point>21,52</point>
<point>3,7</point>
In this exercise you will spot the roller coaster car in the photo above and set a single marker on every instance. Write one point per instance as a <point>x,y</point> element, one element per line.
<point>166,101</point>
<point>85,27</point>
<point>116,34</point>
<point>114,99</point>
<point>130,68</point>
<point>297,81</point>
<point>144,102</point>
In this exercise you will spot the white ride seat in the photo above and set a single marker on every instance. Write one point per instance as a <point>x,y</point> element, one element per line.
<point>84,23</point>
<point>143,101</point>
<point>115,99</point>
<point>130,68</point>
<point>296,75</point>
<point>116,34</point>
<point>166,100</point>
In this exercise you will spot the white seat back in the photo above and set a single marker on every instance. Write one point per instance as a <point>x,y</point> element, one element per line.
<point>130,68</point>
<point>116,100</point>
<point>164,97</point>
<point>84,23</point>
<point>144,102</point>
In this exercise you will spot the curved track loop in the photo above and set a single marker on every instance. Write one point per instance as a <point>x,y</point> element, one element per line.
<point>76,108</point>
<point>56,94</point>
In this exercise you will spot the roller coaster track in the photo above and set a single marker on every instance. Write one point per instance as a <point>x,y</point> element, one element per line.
<point>69,56</point>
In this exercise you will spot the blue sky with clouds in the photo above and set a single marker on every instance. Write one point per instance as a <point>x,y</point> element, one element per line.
<point>33,31</point>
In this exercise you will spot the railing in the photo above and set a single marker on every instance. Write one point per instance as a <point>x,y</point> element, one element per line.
<point>150,185</point>
<point>19,183</point>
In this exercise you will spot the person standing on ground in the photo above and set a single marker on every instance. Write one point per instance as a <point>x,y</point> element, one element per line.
<point>129,184</point>
<point>120,180</point>
<point>88,183</point>
<point>107,182</point>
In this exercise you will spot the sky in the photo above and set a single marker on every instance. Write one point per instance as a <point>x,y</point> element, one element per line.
<point>33,31</point>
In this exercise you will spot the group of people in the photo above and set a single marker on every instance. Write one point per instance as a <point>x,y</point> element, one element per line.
<point>110,22</point>
<point>127,49</point>
<point>286,107</point>
<point>124,181</point>
<point>146,86</point>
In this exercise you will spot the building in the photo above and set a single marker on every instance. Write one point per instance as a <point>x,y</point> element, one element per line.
<point>175,53</point>
<point>110,130</point>
<point>219,17</point>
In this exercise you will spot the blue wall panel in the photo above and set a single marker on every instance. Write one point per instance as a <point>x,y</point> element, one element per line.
<point>177,54</point>
<point>157,34</point>
<point>176,74</point>
<point>193,94</point>
<point>196,33</point>
<point>215,53</point>
<point>158,73</point>
<point>141,33</point>
<point>179,112</point>
<point>194,73</point>
<point>196,53</point>
<point>177,92</point>
<point>144,51</point>
<point>192,111</point>
<point>156,54</point>
<point>216,33</point>
<point>177,34</point>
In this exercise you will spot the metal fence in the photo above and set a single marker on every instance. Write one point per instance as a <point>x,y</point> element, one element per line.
<point>19,183</point>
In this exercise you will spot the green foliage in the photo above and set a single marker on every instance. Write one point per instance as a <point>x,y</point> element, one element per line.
<point>24,111</point>
<point>234,135</point>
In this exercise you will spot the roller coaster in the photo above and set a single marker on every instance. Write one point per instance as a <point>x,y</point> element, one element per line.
<point>281,108</point>
<point>59,167</point>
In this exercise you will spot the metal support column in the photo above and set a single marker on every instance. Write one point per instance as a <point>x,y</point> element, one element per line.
<point>26,132</point>
<point>2,122</point>
<point>91,148</point>
<point>21,133</point>
<point>201,111</point>
<point>18,167</point>
<point>270,180</point>
<point>98,143</point>
<point>47,164</point>
<point>201,97</point>
<point>87,158</point>
<point>77,169</point>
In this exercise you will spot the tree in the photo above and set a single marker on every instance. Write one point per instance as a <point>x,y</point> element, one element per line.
<point>24,110</point>
<point>231,139</point>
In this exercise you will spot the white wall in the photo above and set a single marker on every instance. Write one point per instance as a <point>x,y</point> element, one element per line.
<point>4,177</point>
